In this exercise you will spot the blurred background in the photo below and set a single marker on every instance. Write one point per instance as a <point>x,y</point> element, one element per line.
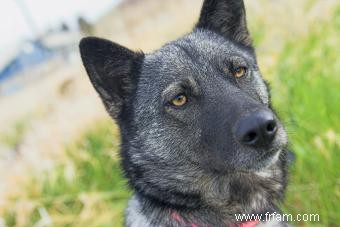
<point>59,164</point>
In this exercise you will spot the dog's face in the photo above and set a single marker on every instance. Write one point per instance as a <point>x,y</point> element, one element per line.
<point>197,103</point>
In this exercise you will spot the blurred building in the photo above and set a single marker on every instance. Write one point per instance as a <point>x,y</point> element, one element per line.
<point>28,54</point>
<point>31,55</point>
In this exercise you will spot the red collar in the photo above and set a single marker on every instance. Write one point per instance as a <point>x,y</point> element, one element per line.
<point>176,217</point>
<point>249,223</point>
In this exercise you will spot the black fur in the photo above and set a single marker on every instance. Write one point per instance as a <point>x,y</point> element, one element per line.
<point>113,71</point>
<point>227,18</point>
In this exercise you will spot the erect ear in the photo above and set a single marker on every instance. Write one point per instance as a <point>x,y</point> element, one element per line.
<point>113,71</point>
<point>226,17</point>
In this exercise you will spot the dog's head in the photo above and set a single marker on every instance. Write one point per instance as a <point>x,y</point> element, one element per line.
<point>198,103</point>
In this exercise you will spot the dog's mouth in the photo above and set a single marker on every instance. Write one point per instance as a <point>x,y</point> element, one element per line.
<point>260,163</point>
<point>268,158</point>
<point>245,159</point>
<point>271,155</point>
<point>262,159</point>
<point>255,164</point>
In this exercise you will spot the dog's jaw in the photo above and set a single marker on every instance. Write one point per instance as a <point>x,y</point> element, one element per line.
<point>223,197</point>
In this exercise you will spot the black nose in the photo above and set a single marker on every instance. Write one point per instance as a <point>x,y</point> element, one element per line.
<point>258,129</point>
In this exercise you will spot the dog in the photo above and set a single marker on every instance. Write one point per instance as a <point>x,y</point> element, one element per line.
<point>200,141</point>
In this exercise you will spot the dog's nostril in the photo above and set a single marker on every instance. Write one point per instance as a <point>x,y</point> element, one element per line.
<point>250,137</point>
<point>271,126</point>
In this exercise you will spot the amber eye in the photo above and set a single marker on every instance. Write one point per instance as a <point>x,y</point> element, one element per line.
<point>179,100</point>
<point>240,72</point>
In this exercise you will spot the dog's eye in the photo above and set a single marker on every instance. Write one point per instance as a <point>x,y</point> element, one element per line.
<point>179,100</point>
<point>240,72</point>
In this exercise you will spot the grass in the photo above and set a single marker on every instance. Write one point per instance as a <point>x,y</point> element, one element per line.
<point>87,188</point>
<point>13,138</point>
<point>307,94</point>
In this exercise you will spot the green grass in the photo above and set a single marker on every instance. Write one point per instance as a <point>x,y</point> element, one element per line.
<point>307,94</point>
<point>87,189</point>
<point>13,138</point>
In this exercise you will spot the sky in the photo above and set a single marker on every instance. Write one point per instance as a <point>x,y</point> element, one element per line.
<point>44,14</point>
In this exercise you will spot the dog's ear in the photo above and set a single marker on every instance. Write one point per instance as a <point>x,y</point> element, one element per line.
<point>113,71</point>
<point>226,17</point>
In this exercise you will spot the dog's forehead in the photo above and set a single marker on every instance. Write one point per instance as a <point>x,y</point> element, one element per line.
<point>192,55</point>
